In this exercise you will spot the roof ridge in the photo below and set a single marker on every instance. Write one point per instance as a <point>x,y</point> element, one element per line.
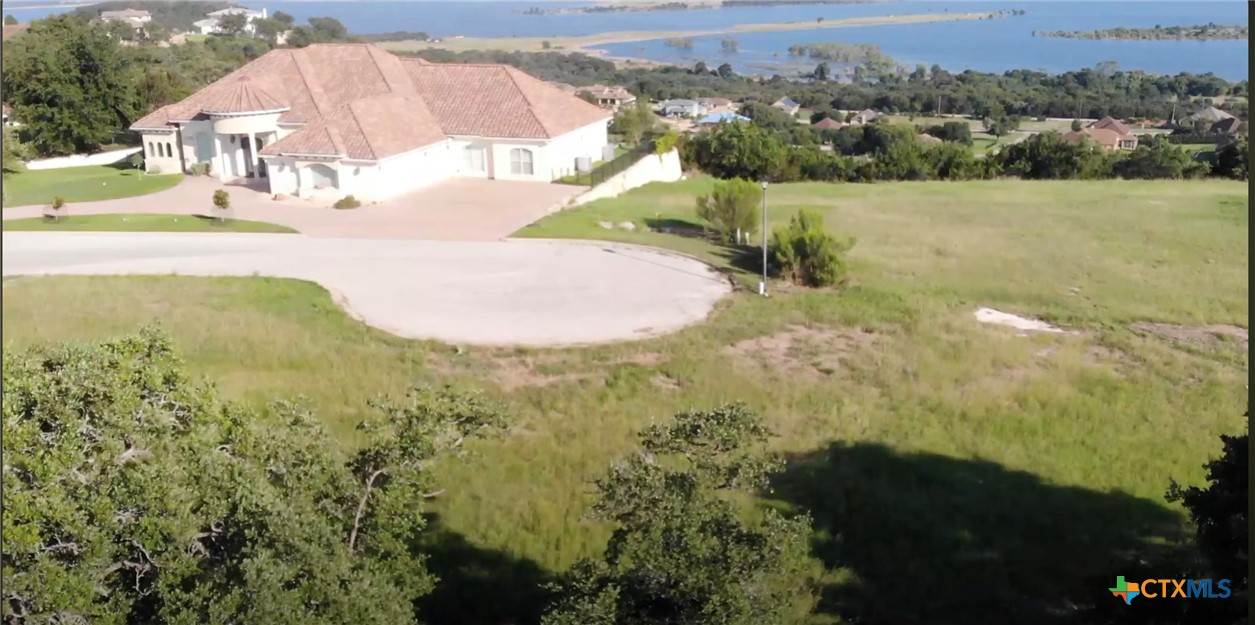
<point>360,128</point>
<point>531,106</point>
<point>314,89</point>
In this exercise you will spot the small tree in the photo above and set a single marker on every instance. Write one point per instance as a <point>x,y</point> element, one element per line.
<point>1219,512</point>
<point>222,202</point>
<point>232,24</point>
<point>1077,125</point>
<point>9,20</point>
<point>56,210</point>
<point>806,254</point>
<point>681,552</point>
<point>137,160</point>
<point>731,207</point>
<point>545,45</point>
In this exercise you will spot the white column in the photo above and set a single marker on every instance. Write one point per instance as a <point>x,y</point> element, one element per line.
<point>252,146</point>
<point>220,158</point>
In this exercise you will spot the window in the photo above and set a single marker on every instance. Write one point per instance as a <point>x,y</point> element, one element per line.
<point>151,151</point>
<point>169,149</point>
<point>521,162</point>
<point>474,158</point>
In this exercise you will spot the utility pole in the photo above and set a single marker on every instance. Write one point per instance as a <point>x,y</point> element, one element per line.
<point>762,286</point>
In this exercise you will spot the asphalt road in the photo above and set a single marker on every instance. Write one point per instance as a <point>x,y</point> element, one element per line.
<point>536,293</point>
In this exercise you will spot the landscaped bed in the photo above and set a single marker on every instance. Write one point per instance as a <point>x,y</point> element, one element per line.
<point>83,184</point>
<point>141,223</point>
<point>920,439</point>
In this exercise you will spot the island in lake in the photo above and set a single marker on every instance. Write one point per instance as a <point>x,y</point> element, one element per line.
<point>1204,32</point>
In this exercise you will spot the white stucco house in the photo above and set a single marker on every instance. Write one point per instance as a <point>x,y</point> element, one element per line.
<point>354,119</point>
<point>134,17</point>
<point>210,25</point>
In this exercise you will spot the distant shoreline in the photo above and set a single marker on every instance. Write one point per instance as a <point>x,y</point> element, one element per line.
<point>1208,32</point>
<point>587,44</point>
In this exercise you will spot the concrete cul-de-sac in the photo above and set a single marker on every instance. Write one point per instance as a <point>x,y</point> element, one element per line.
<point>437,270</point>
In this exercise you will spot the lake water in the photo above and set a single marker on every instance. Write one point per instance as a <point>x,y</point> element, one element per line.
<point>989,45</point>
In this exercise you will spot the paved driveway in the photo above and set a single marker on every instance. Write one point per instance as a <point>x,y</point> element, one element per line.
<point>498,293</point>
<point>461,209</point>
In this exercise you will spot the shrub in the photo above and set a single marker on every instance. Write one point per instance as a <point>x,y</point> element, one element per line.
<point>347,201</point>
<point>137,160</point>
<point>738,150</point>
<point>732,206</point>
<point>202,169</point>
<point>1231,160</point>
<point>1158,160</point>
<point>959,132</point>
<point>666,143</point>
<point>804,253</point>
<point>58,203</point>
<point>222,199</point>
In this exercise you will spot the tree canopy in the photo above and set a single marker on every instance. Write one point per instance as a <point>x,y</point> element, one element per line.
<point>682,552</point>
<point>64,63</point>
<point>135,494</point>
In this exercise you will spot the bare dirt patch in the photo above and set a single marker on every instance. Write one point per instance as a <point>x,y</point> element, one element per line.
<point>815,351</point>
<point>1201,336</point>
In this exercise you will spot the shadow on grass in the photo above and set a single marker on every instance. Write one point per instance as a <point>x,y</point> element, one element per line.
<point>680,227</point>
<point>479,586</point>
<point>923,538</point>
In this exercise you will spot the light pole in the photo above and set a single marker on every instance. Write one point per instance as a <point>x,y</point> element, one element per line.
<point>762,286</point>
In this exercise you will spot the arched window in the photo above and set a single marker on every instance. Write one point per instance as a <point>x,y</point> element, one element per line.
<point>151,151</point>
<point>521,162</point>
<point>169,149</point>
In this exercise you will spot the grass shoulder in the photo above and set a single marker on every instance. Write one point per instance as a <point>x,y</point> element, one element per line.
<point>83,184</point>
<point>140,223</point>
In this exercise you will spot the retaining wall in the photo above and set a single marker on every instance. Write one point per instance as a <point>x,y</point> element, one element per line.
<point>80,160</point>
<point>651,168</point>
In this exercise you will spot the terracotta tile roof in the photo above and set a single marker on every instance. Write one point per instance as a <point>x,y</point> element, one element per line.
<point>498,101</point>
<point>240,95</point>
<point>361,102</point>
<point>714,102</point>
<point>828,123</point>
<point>603,92</point>
<point>1102,136</point>
<point>1228,126</point>
<point>1110,123</point>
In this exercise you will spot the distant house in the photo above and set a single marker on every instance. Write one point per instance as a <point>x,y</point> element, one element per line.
<point>1209,114</point>
<point>134,17</point>
<point>721,117</point>
<point>865,116</point>
<point>1111,123</point>
<point>1231,126</point>
<point>828,123</point>
<point>611,97</point>
<point>712,104</point>
<point>212,22</point>
<point>788,105</point>
<point>1106,138</point>
<point>682,108</point>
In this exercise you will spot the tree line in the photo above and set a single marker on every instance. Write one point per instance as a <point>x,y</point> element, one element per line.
<point>1090,93</point>
<point>889,152</point>
<point>68,62</point>
<point>1204,32</point>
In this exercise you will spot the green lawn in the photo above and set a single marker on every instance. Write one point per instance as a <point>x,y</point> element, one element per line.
<point>981,145</point>
<point>937,455</point>
<point>83,184</point>
<point>142,223</point>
